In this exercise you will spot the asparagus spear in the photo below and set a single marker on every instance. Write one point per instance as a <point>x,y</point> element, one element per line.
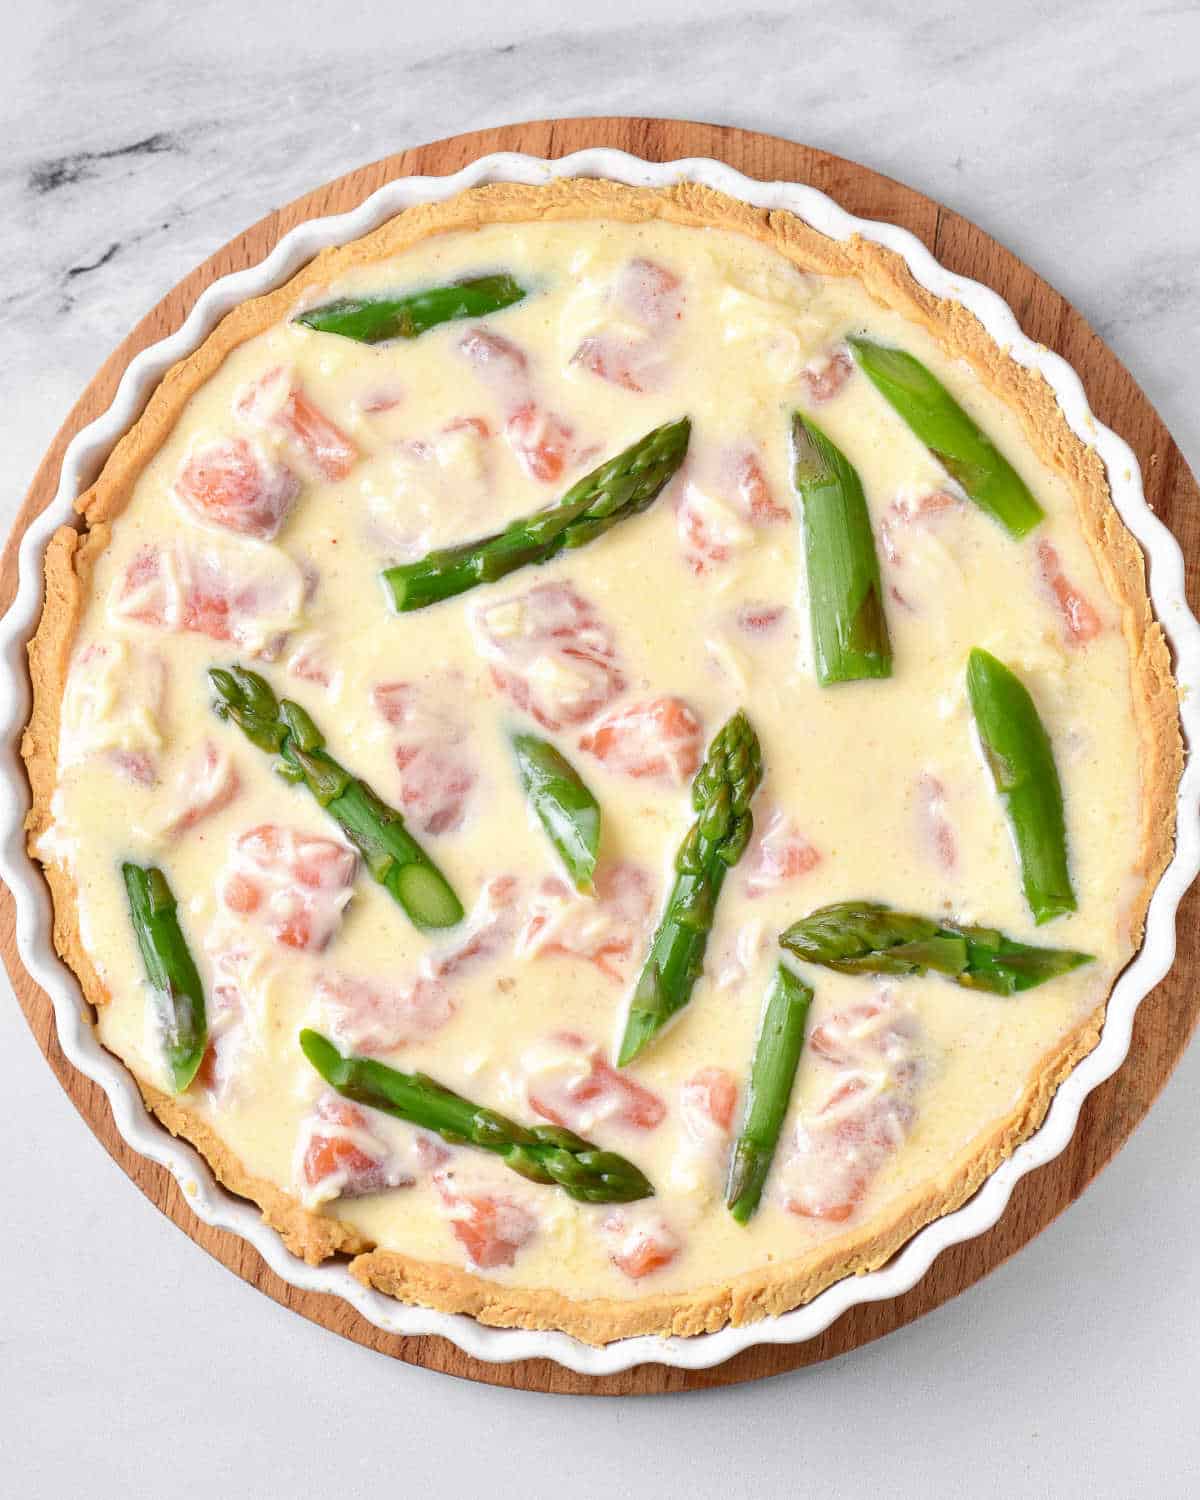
<point>565,806</point>
<point>776,1058</point>
<point>370,320</point>
<point>377,831</point>
<point>179,995</point>
<point>964,451</point>
<point>624,486</point>
<point>721,794</point>
<point>1019,754</point>
<point>866,937</point>
<point>850,634</point>
<point>542,1153</point>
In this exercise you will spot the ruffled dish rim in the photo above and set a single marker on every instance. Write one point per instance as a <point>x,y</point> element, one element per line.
<point>213,1204</point>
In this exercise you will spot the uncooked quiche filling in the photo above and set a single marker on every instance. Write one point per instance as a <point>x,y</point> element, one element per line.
<point>793,654</point>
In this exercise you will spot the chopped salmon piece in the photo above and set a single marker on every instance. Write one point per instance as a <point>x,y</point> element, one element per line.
<point>207,783</point>
<point>434,786</point>
<point>397,703</point>
<point>752,488</point>
<point>724,500</point>
<point>552,654</point>
<point>699,1163</point>
<point>207,1075</point>
<point>710,1094</point>
<point>147,592</point>
<point>499,362</point>
<point>381,398</point>
<point>649,293</point>
<point>310,660</point>
<point>778,854</point>
<point>930,504</point>
<point>491,1231</point>
<point>366,1016</point>
<point>825,376</point>
<point>869,1107</point>
<point>490,1227</point>
<point>910,510</point>
<point>542,441</point>
<point>327,1154</point>
<point>605,929</point>
<point>341,1157</point>
<point>1080,621</point>
<point>487,931</point>
<point>181,587</point>
<point>759,619</point>
<point>937,832</point>
<point>372,1017</point>
<point>430,1152</point>
<point>230,483</point>
<point>437,775</point>
<point>569,1082</point>
<point>477,425</point>
<point>330,450</point>
<point>658,737</point>
<point>296,884</point>
<point>909,515</point>
<point>639,1244</point>
<point>711,531</point>
<point>708,1098</point>
<point>642,1253</point>
<point>227,1014</point>
<point>276,402</point>
<point>613,359</point>
<point>650,297</point>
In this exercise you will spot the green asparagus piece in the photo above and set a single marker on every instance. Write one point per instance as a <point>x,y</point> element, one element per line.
<point>776,1058</point>
<point>542,1153</point>
<point>849,628</point>
<point>377,831</point>
<point>966,453</point>
<point>565,807</point>
<point>370,320</point>
<point>179,995</point>
<point>721,794</point>
<point>1021,760</point>
<point>866,937</point>
<point>624,486</point>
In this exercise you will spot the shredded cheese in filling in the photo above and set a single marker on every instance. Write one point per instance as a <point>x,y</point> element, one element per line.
<point>365,456</point>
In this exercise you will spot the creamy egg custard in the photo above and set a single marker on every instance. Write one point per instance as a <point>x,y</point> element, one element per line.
<point>247,521</point>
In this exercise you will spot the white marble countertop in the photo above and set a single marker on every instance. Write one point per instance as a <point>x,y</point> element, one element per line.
<point>136,140</point>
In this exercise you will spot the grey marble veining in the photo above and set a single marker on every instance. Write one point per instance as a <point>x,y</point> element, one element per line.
<point>137,139</point>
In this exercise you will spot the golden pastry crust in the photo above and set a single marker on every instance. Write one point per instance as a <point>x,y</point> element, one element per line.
<point>777,1288</point>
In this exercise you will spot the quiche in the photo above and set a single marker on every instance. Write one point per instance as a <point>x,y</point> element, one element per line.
<point>599,753</point>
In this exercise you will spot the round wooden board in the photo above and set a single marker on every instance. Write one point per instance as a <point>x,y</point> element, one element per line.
<point>1166,1017</point>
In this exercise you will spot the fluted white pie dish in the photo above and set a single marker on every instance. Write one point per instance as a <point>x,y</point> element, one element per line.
<point>212,1203</point>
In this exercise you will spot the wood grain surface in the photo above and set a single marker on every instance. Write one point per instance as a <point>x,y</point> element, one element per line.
<point>1166,1017</point>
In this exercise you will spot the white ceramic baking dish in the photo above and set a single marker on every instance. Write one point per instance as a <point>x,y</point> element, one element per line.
<point>82,462</point>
